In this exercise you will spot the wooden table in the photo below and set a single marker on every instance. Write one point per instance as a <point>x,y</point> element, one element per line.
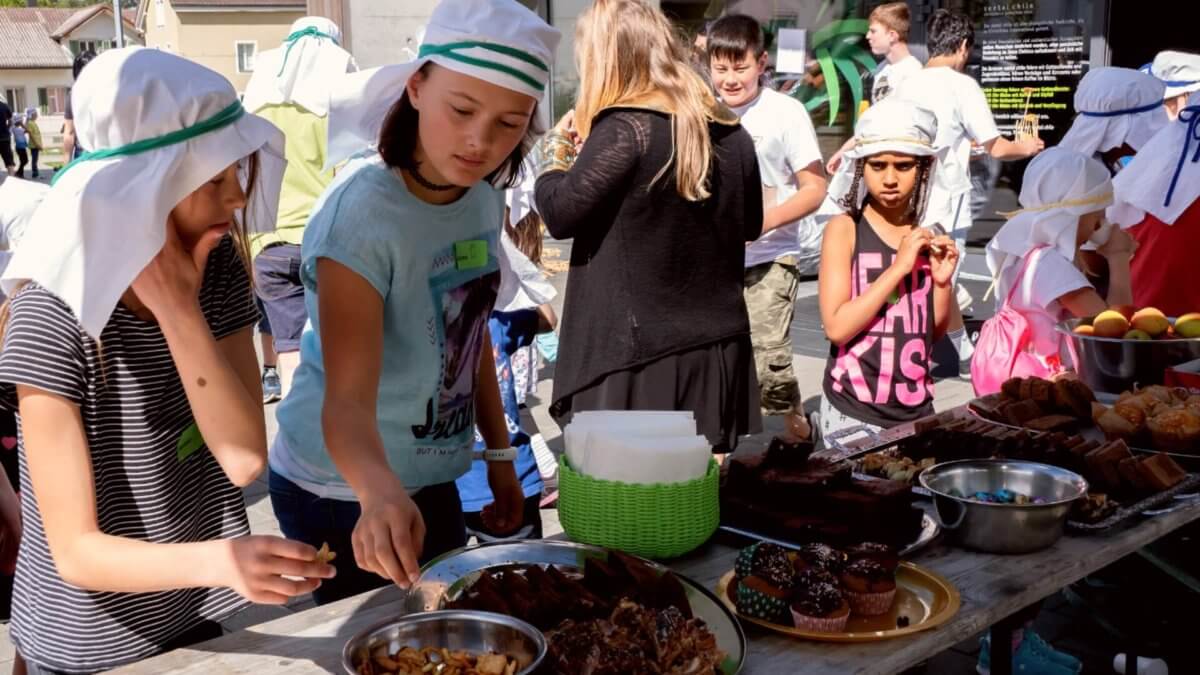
<point>992,587</point>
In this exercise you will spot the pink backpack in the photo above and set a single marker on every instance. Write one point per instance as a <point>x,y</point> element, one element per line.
<point>1003,350</point>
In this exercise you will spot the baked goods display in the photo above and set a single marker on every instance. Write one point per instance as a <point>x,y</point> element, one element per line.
<point>379,660</point>
<point>817,588</point>
<point>545,595</point>
<point>1158,417</point>
<point>784,494</point>
<point>1040,405</point>
<point>634,639</point>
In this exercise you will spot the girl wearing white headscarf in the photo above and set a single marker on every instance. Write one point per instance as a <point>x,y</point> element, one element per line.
<point>1180,74</point>
<point>886,288</point>
<point>400,258</point>
<point>1119,111</point>
<point>128,357</point>
<point>291,88</point>
<point>1063,198</point>
<point>1158,199</point>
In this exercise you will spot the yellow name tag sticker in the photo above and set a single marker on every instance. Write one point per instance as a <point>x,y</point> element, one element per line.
<point>189,442</point>
<point>471,254</point>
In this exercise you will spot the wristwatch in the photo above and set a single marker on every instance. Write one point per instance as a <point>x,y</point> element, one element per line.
<point>497,455</point>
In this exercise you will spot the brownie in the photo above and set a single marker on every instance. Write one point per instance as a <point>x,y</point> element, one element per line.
<point>1052,423</point>
<point>1160,472</point>
<point>1020,412</point>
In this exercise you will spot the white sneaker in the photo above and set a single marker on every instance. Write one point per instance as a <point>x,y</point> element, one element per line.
<point>1145,666</point>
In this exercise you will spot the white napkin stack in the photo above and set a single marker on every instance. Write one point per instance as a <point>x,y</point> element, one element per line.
<point>637,446</point>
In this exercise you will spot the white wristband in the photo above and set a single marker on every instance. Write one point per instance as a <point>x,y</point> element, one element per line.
<point>497,455</point>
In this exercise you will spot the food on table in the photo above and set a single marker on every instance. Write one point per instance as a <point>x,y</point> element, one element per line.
<point>324,555</point>
<point>378,660</point>
<point>1137,334</point>
<point>1094,508</point>
<point>822,557</point>
<point>1001,496</point>
<point>795,498</point>
<point>1176,429</point>
<point>1160,472</point>
<point>1126,311</point>
<point>1110,324</point>
<point>894,468</point>
<point>1053,423</point>
<point>1162,418</point>
<point>1113,467</point>
<point>1039,404</point>
<point>869,587</point>
<point>634,639</point>
<point>545,596</point>
<point>763,593</point>
<point>757,556</point>
<point>1085,329</point>
<point>1188,325</point>
<point>1150,321</point>
<point>818,604</point>
<point>881,553</point>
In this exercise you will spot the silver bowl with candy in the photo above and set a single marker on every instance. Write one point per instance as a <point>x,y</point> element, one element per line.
<point>1003,506</point>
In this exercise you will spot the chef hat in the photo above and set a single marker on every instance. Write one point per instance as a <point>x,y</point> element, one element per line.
<point>160,126</point>
<point>892,125</point>
<point>1060,185</point>
<point>1164,179</point>
<point>1179,72</point>
<point>499,41</point>
<point>1115,106</point>
<point>300,70</point>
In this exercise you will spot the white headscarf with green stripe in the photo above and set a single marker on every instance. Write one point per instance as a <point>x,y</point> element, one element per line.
<point>299,71</point>
<point>498,41</point>
<point>161,126</point>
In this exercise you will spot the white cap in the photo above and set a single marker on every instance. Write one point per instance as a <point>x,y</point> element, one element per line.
<point>1179,72</point>
<point>499,41</point>
<point>1164,179</point>
<point>301,69</point>
<point>105,217</point>
<point>1115,106</point>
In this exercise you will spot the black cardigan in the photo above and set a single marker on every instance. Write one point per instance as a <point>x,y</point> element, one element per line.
<point>652,274</point>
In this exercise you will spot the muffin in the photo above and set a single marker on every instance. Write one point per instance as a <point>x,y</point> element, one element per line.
<point>881,553</point>
<point>869,587</point>
<point>820,556</point>
<point>756,554</point>
<point>764,593</point>
<point>818,605</point>
<point>1175,430</point>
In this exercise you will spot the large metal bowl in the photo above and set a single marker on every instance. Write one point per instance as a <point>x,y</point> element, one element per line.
<point>1114,365</point>
<point>474,632</point>
<point>1003,528</point>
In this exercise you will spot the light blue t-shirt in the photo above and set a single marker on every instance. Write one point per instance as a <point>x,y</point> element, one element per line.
<point>437,271</point>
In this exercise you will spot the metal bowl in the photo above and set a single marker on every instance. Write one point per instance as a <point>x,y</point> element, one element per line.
<point>1003,528</point>
<point>473,632</point>
<point>1114,365</point>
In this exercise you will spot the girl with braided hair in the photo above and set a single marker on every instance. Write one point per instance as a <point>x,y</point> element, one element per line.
<point>886,284</point>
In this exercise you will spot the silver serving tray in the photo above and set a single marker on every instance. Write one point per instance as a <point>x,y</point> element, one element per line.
<point>445,577</point>
<point>929,531</point>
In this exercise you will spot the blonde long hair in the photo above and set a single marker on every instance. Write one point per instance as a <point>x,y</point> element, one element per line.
<point>628,54</point>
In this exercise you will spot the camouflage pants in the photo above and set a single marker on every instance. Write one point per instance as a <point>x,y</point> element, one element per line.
<point>770,290</point>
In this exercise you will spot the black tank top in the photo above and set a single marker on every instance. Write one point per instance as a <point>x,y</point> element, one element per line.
<point>881,376</point>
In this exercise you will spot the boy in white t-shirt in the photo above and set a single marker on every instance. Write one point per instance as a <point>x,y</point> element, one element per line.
<point>887,34</point>
<point>794,186</point>
<point>964,119</point>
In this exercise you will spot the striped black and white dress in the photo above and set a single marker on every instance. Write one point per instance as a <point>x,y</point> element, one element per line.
<point>134,410</point>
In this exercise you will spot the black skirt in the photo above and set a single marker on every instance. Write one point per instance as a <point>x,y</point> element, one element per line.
<point>716,382</point>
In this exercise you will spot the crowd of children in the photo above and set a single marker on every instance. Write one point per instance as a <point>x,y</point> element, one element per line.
<point>389,229</point>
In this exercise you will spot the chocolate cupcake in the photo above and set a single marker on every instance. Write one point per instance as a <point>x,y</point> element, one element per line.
<point>763,594</point>
<point>869,587</point>
<point>818,605</point>
<point>881,553</point>
<point>757,554</point>
<point>821,557</point>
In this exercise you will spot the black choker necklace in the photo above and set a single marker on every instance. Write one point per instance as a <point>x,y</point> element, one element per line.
<point>426,183</point>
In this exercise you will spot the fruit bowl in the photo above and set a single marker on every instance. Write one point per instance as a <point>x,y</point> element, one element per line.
<point>1115,364</point>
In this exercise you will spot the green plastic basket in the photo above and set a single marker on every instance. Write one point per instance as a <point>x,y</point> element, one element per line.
<point>653,521</point>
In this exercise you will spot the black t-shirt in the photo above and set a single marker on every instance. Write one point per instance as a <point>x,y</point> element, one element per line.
<point>5,120</point>
<point>134,411</point>
<point>881,376</point>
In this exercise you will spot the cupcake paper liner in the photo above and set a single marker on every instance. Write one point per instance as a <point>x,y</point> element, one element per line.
<point>759,605</point>
<point>870,604</point>
<point>820,625</point>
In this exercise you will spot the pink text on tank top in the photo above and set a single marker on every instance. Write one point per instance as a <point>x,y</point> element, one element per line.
<point>902,322</point>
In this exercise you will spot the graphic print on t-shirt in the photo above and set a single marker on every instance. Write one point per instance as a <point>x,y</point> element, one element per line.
<point>463,308</point>
<point>881,376</point>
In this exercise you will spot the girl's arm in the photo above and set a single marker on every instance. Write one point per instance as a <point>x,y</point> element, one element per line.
<point>228,414</point>
<point>506,513</point>
<point>842,316</point>
<point>60,470</point>
<point>390,532</point>
<point>567,200</point>
<point>943,260</point>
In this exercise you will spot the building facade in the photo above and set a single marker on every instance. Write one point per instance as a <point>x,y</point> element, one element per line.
<point>224,35</point>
